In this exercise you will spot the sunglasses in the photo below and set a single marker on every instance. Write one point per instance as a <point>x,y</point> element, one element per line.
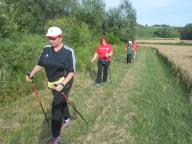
<point>52,38</point>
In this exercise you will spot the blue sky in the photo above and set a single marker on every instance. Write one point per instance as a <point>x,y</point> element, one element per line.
<point>150,12</point>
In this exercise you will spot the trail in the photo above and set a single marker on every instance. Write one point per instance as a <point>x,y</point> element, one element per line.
<point>113,107</point>
<point>143,104</point>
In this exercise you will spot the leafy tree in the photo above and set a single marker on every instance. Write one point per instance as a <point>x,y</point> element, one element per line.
<point>129,15</point>
<point>166,31</point>
<point>31,15</point>
<point>122,21</point>
<point>114,18</point>
<point>93,13</point>
<point>8,17</point>
<point>186,32</point>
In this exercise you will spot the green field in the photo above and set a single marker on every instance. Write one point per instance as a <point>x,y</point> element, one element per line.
<point>143,103</point>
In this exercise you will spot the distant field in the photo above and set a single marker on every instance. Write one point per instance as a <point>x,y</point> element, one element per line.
<point>180,56</point>
<point>161,40</point>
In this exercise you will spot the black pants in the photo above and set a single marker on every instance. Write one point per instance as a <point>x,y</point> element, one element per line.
<point>103,67</point>
<point>129,58</point>
<point>60,109</point>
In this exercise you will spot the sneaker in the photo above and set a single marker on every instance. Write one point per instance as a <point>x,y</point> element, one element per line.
<point>55,140</point>
<point>104,83</point>
<point>98,84</point>
<point>66,123</point>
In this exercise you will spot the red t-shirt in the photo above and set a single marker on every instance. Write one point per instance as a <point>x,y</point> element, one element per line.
<point>134,46</point>
<point>102,50</point>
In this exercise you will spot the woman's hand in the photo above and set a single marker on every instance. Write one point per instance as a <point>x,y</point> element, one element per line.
<point>107,55</point>
<point>59,87</point>
<point>93,60</point>
<point>28,77</point>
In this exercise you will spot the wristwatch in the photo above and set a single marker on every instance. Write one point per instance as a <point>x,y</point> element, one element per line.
<point>62,84</point>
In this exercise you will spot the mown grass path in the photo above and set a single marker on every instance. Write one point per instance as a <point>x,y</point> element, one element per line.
<point>163,114</point>
<point>142,104</point>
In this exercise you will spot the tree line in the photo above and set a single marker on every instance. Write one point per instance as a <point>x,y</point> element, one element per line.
<point>32,16</point>
<point>186,33</point>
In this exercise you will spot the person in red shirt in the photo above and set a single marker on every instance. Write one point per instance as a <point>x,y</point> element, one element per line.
<point>103,54</point>
<point>135,47</point>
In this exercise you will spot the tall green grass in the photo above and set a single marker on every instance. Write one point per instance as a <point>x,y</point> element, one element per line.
<point>163,115</point>
<point>18,55</point>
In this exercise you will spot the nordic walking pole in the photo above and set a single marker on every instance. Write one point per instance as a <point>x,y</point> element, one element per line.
<point>94,70</point>
<point>110,74</point>
<point>37,94</point>
<point>74,107</point>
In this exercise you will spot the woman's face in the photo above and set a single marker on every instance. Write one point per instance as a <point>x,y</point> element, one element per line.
<point>55,41</point>
<point>103,42</point>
